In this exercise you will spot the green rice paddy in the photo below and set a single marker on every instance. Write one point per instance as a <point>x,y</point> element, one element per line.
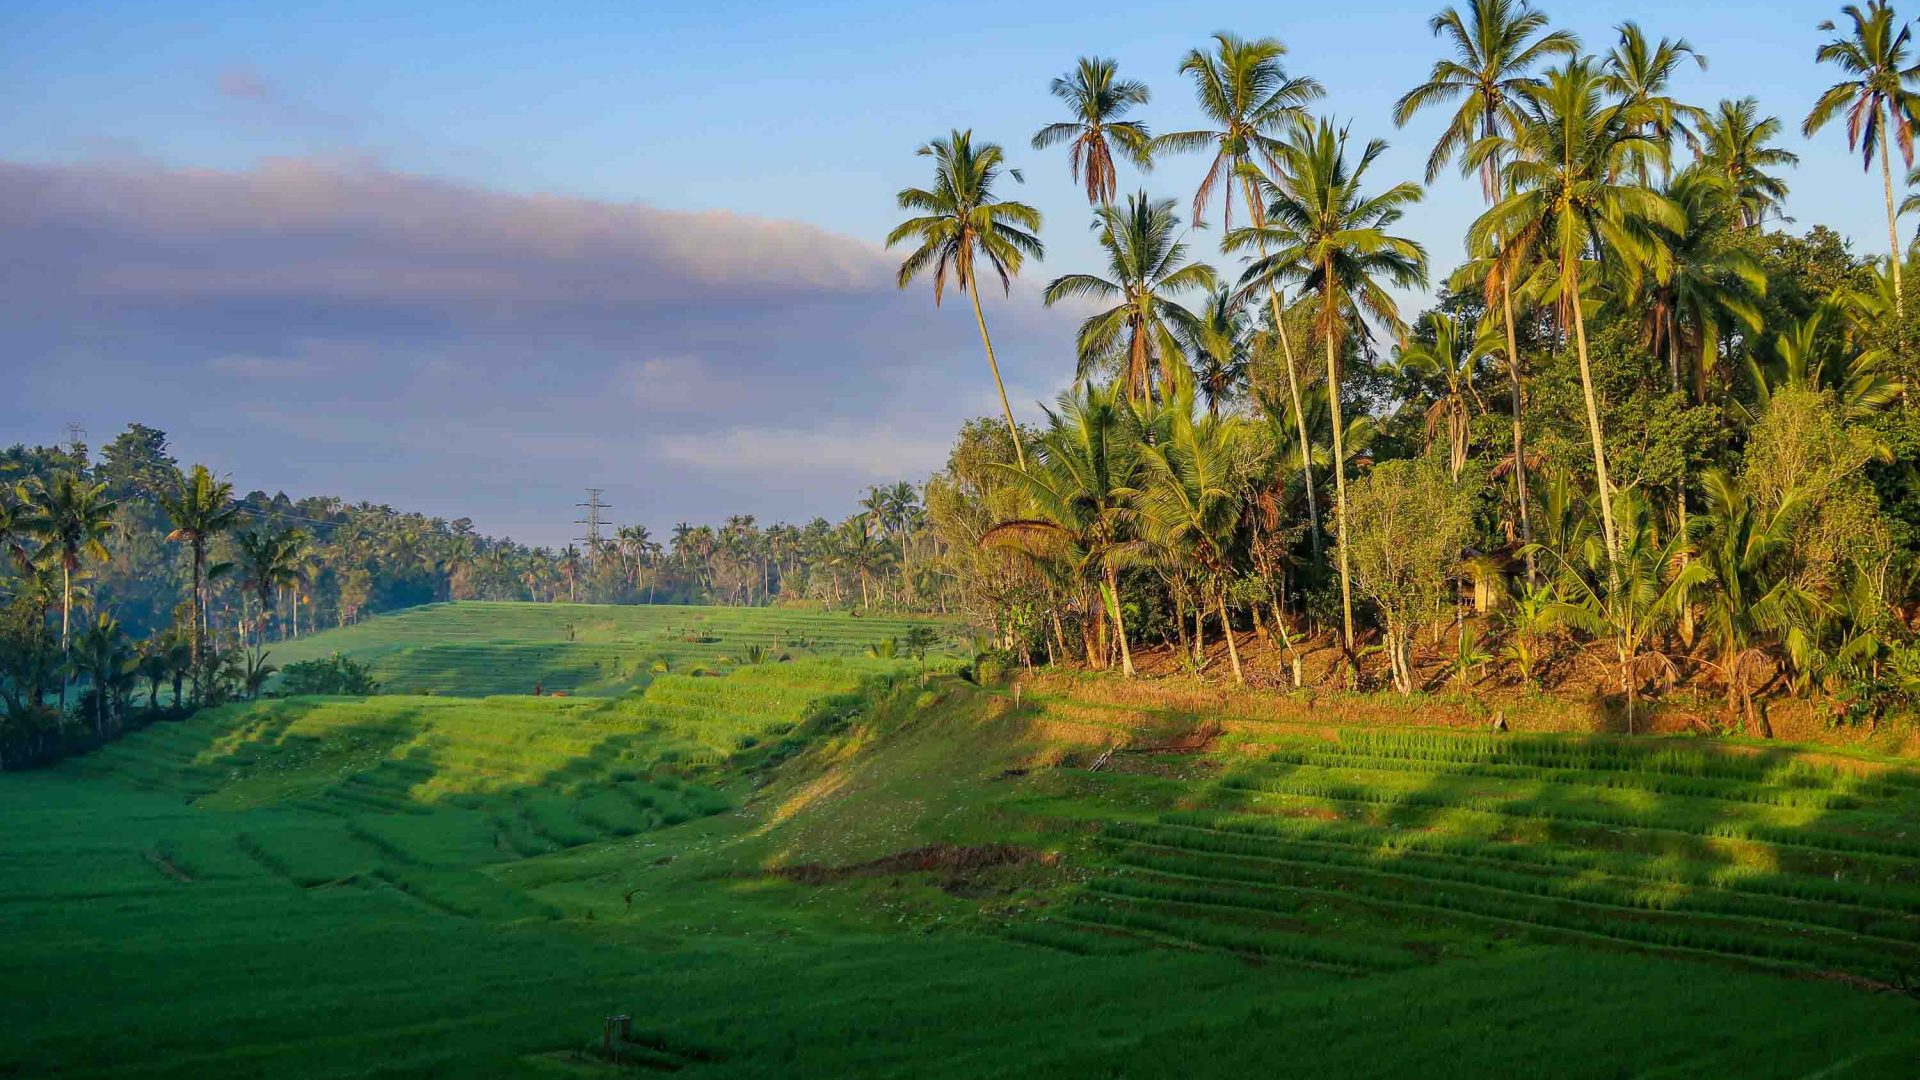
<point>479,648</point>
<point>838,866</point>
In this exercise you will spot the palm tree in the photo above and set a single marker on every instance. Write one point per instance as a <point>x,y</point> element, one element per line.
<point>1079,497</point>
<point>1098,98</point>
<point>1191,497</point>
<point>1697,286</point>
<point>1875,95</point>
<point>1732,144</point>
<point>1566,201</point>
<point>1628,595</point>
<point>1148,266</point>
<point>1453,357</point>
<point>960,222</point>
<point>105,661</point>
<point>1250,100</point>
<point>1496,46</point>
<point>269,560</point>
<point>1805,358</point>
<point>1334,236</point>
<point>1637,73</point>
<point>1219,347</point>
<point>72,519</point>
<point>1754,595</point>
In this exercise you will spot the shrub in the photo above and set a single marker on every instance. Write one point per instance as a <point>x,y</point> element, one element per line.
<point>337,675</point>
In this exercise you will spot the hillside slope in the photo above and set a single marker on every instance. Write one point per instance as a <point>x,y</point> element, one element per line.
<point>862,868</point>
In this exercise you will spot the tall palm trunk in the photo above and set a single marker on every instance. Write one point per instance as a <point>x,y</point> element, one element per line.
<point>973,294</point>
<point>1119,621</point>
<point>1593,418</point>
<point>1519,445</point>
<point>1893,229</point>
<point>1339,472</point>
<point>199,613</point>
<point>1293,390</point>
<point>1226,627</point>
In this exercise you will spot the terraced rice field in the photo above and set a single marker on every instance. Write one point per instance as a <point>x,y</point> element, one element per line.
<point>1373,850</point>
<point>478,648</point>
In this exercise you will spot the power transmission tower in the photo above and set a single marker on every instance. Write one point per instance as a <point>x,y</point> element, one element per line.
<point>76,433</point>
<point>592,521</point>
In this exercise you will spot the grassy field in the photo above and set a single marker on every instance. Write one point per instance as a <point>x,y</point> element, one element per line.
<point>851,867</point>
<point>477,648</point>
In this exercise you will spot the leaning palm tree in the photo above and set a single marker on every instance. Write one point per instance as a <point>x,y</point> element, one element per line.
<point>1147,267</point>
<point>1877,94</point>
<point>1638,74</point>
<point>1732,144</point>
<point>1079,492</point>
<point>1334,236</point>
<point>1566,203</point>
<point>1496,46</point>
<point>959,223</point>
<point>1098,99</point>
<point>72,519</point>
<point>1249,101</point>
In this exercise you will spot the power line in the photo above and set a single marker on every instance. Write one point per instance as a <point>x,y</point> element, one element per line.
<point>593,520</point>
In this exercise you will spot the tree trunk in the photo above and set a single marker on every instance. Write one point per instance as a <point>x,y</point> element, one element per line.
<point>1893,229</point>
<point>973,293</point>
<point>1340,483</point>
<point>1226,627</point>
<point>1299,414</point>
<point>1593,421</point>
<point>1119,622</point>
<point>1519,445</point>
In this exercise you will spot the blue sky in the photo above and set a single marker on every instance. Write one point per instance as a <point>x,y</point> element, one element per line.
<point>805,114</point>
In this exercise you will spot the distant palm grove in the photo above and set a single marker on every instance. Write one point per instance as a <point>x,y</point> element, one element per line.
<point>1648,440</point>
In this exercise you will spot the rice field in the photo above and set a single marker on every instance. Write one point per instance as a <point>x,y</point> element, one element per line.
<point>1366,850</point>
<point>442,885</point>
<point>480,648</point>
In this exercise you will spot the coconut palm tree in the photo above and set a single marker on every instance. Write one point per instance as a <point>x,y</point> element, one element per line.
<point>1754,597</point>
<point>1496,46</point>
<point>1147,267</point>
<point>959,223</point>
<point>1452,357</point>
<point>1249,101</point>
<point>1876,95</point>
<point>1628,595</point>
<point>1219,347</point>
<point>72,518</point>
<point>1732,144</point>
<point>1098,99</point>
<point>1637,73</point>
<point>268,559</point>
<point>1566,203</point>
<point>1806,358</point>
<point>1079,492</point>
<point>1190,497</point>
<point>1328,231</point>
<point>1696,286</point>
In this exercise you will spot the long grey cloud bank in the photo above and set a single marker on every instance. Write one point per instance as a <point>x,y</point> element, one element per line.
<point>327,326</point>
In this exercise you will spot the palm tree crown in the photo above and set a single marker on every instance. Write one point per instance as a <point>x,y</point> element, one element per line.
<point>1732,143</point>
<point>1147,265</point>
<point>1098,99</point>
<point>1250,99</point>
<point>1495,48</point>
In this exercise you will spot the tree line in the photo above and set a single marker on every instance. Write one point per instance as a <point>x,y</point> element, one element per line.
<point>1646,433</point>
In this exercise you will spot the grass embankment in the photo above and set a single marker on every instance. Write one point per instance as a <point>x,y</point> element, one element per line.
<point>876,872</point>
<point>480,648</point>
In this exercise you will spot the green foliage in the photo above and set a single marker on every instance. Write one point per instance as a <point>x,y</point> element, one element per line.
<point>335,675</point>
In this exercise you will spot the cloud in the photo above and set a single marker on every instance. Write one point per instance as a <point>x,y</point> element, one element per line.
<point>871,453</point>
<point>259,367</point>
<point>242,82</point>
<point>451,342</point>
